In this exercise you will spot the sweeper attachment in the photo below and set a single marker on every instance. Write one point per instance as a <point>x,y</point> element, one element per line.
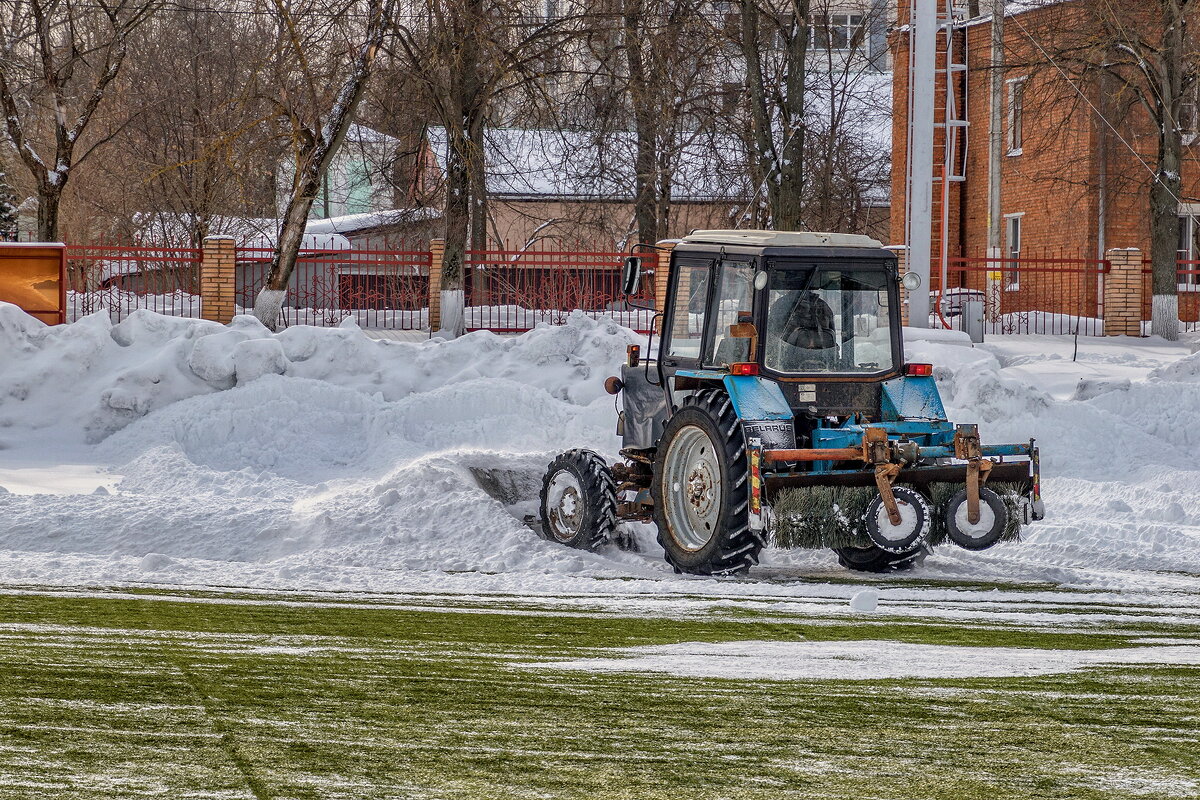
<point>814,433</point>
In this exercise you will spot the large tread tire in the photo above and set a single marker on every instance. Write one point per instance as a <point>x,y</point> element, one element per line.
<point>594,522</point>
<point>732,547</point>
<point>876,559</point>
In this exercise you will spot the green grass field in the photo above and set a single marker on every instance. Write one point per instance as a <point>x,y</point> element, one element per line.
<point>202,695</point>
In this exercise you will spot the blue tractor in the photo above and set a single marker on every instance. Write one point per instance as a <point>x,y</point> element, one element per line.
<point>780,408</point>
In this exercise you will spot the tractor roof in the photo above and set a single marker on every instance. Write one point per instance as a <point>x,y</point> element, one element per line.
<point>781,239</point>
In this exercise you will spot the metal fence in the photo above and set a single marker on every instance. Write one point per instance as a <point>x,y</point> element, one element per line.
<point>514,290</point>
<point>1044,294</point>
<point>375,288</point>
<point>1187,283</point>
<point>121,279</point>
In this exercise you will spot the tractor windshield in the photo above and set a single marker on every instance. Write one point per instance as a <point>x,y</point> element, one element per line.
<point>828,321</point>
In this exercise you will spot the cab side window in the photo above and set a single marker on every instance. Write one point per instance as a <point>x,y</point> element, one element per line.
<point>690,308</point>
<point>735,293</point>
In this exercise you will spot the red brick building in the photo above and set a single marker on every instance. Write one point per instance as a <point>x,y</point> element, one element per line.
<point>1072,187</point>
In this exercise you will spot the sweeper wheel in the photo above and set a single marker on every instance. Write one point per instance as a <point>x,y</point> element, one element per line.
<point>876,559</point>
<point>578,501</point>
<point>993,519</point>
<point>701,489</point>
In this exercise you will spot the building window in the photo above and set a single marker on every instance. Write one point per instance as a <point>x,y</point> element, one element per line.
<point>1189,246</point>
<point>1016,116</point>
<point>1012,252</point>
<point>837,31</point>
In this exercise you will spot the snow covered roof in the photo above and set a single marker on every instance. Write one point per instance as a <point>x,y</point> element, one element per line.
<point>365,135</point>
<point>542,163</point>
<point>322,234</point>
<point>781,238</point>
<point>356,223</point>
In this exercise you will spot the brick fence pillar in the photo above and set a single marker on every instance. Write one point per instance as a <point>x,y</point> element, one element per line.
<point>1123,292</point>
<point>437,254</point>
<point>901,267</point>
<point>217,280</point>
<point>662,275</point>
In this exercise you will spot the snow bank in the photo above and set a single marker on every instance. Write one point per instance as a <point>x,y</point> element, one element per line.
<point>323,458</point>
<point>234,443</point>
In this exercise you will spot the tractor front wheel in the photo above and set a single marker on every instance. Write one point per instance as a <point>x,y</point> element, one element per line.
<point>701,489</point>
<point>578,501</point>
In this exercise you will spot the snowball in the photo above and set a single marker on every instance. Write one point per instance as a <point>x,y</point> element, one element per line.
<point>865,600</point>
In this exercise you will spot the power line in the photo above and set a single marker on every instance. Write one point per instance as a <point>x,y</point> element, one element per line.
<point>1081,93</point>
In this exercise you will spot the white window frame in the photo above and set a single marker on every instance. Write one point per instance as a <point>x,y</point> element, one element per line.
<point>1189,229</point>
<point>855,31</point>
<point>1011,278</point>
<point>1014,131</point>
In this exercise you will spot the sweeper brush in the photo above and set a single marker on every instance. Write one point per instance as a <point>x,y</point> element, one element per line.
<point>813,434</point>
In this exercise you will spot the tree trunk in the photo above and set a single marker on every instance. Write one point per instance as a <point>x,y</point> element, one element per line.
<point>463,171</point>
<point>788,210</point>
<point>1164,243</point>
<point>766,163</point>
<point>311,166</point>
<point>1166,186</point>
<point>645,161</point>
<point>49,200</point>
<point>477,184</point>
<point>457,219</point>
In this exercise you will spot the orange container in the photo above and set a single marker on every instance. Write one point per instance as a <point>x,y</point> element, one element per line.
<point>34,277</point>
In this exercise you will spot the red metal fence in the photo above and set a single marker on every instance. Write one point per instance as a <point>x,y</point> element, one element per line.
<point>121,279</point>
<point>377,288</point>
<point>1051,295</point>
<point>1188,286</point>
<point>513,290</point>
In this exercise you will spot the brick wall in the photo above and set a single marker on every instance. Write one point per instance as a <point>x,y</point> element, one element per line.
<point>1068,160</point>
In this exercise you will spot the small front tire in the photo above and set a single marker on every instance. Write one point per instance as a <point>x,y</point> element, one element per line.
<point>578,501</point>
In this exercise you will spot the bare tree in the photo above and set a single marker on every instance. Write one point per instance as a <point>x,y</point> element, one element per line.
<point>775,94</point>
<point>467,55</point>
<point>316,140</point>
<point>57,61</point>
<point>1147,55</point>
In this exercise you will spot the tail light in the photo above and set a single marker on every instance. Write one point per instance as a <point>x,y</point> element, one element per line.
<point>918,370</point>
<point>743,368</point>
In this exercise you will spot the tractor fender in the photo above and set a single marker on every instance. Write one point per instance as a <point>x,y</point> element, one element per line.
<point>758,403</point>
<point>913,397</point>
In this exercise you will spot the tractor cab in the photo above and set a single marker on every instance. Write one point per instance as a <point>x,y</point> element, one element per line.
<point>800,308</point>
<point>817,315</point>
<point>779,404</point>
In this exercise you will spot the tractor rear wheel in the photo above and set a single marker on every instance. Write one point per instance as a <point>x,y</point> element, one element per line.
<point>701,489</point>
<point>876,559</point>
<point>578,501</point>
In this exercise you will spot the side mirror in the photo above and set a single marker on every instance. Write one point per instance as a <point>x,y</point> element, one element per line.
<point>631,275</point>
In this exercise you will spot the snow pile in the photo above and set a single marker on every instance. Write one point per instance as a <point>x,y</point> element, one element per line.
<point>318,457</point>
<point>237,444</point>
